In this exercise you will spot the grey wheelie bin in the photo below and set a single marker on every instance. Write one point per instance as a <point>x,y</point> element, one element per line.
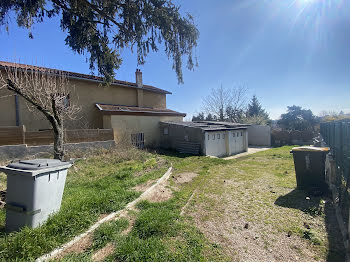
<point>309,163</point>
<point>34,191</point>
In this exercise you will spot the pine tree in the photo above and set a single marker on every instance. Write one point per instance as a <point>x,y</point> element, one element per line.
<point>255,108</point>
<point>103,28</point>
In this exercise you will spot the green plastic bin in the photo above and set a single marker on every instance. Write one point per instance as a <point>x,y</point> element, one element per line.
<point>309,163</point>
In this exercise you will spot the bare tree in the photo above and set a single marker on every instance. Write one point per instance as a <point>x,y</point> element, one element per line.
<point>226,104</point>
<point>45,90</point>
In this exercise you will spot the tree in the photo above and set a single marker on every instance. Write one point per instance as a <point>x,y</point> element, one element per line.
<point>46,91</point>
<point>298,118</point>
<point>210,117</point>
<point>199,117</point>
<point>234,115</point>
<point>103,28</point>
<point>255,113</point>
<point>255,108</point>
<point>225,104</point>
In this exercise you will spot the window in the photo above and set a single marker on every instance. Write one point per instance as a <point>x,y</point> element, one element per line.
<point>218,136</point>
<point>208,137</point>
<point>241,133</point>
<point>138,140</point>
<point>166,131</point>
<point>234,134</point>
<point>213,137</point>
<point>223,136</point>
<point>66,101</point>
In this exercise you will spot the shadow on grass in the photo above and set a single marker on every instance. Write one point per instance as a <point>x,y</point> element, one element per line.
<point>171,153</point>
<point>297,199</point>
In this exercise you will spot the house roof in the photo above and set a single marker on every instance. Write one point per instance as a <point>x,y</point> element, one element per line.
<point>209,126</point>
<point>86,77</point>
<point>133,110</point>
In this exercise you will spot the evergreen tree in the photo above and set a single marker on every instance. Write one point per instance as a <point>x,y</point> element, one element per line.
<point>103,28</point>
<point>199,117</point>
<point>255,108</point>
<point>210,117</point>
<point>298,118</point>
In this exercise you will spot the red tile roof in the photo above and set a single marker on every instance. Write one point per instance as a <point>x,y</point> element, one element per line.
<point>84,77</point>
<point>133,110</point>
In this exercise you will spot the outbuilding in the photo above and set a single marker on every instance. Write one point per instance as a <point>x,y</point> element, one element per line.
<point>206,138</point>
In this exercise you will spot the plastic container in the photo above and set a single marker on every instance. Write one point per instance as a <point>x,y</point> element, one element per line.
<point>309,163</point>
<point>34,191</point>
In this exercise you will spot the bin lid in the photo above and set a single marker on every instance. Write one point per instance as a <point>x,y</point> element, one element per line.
<point>310,149</point>
<point>37,164</point>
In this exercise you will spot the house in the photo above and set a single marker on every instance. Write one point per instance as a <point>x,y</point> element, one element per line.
<point>132,110</point>
<point>204,137</point>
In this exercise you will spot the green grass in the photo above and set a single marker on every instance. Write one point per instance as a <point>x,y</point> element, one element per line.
<point>261,190</point>
<point>95,186</point>
<point>258,189</point>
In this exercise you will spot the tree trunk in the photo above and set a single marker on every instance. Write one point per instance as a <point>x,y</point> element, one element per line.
<point>58,142</point>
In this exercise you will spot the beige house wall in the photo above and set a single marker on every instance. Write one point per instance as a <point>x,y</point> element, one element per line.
<point>7,108</point>
<point>154,100</point>
<point>84,93</point>
<point>125,125</point>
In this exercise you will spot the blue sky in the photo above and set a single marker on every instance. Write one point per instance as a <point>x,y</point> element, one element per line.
<point>284,51</point>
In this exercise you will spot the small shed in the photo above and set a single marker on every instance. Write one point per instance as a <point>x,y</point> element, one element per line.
<point>206,138</point>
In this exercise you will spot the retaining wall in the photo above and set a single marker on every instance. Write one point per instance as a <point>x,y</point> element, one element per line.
<point>24,151</point>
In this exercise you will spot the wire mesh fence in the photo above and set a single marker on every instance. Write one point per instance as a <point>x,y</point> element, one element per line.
<point>337,136</point>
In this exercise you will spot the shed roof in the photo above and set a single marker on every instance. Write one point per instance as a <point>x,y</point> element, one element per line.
<point>133,110</point>
<point>86,77</point>
<point>209,126</point>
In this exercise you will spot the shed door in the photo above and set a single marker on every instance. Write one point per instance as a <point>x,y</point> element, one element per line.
<point>236,142</point>
<point>239,141</point>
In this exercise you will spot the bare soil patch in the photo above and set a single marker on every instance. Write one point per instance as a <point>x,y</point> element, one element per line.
<point>163,191</point>
<point>184,177</point>
<point>160,193</point>
<point>78,247</point>
<point>144,187</point>
<point>104,252</point>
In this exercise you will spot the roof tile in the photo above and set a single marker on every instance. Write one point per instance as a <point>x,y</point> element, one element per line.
<point>84,76</point>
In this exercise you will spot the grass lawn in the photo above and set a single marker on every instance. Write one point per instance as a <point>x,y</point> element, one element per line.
<point>94,187</point>
<point>245,209</point>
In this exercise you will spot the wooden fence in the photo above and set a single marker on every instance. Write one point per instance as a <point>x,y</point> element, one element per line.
<point>18,135</point>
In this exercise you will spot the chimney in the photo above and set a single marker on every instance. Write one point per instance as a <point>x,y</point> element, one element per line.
<point>138,75</point>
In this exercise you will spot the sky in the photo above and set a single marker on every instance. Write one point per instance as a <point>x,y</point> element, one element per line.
<point>286,52</point>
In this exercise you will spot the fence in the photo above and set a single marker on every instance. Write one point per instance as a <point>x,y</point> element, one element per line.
<point>18,136</point>
<point>337,136</point>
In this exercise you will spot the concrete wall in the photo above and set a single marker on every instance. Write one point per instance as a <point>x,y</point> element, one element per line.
<point>125,125</point>
<point>84,93</point>
<point>259,135</point>
<point>24,151</point>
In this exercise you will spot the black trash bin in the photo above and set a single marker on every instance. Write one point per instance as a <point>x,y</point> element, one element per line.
<point>309,163</point>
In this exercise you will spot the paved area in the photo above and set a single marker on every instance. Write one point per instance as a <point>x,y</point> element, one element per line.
<point>251,150</point>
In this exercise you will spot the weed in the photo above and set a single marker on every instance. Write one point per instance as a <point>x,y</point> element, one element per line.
<point>98,185</point>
